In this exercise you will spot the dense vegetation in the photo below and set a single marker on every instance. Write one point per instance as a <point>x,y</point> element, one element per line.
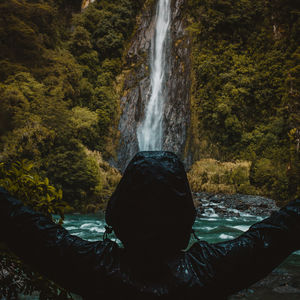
<point>22,181</point>
<point>245,95</point>
<point>59,106</point>
<point>212,176</point>
<point>59,96</point>
<point>58,112</point>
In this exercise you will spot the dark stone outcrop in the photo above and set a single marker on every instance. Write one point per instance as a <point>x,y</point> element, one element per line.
<point>177,109</point>
<point>136,88</point>
<point>233,205</point>
<point>278,285</point>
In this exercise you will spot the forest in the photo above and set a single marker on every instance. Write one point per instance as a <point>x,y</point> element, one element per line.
<point>60,102</point>
<point>58,112</point>
<point>246,88</point>
<point>59,106</point>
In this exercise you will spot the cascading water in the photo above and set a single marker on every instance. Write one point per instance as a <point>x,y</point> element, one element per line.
<point>155,95</point>
<point>150,131</point>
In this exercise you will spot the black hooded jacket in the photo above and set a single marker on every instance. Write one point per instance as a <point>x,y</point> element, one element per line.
<point>152,213</point>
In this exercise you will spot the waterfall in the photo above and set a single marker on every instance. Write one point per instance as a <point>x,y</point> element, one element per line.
<point>155,96</point>
<point>150,131</point>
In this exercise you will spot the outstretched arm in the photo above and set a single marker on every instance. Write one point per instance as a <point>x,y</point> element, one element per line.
<point>72,262</point>
<point>234,265</point>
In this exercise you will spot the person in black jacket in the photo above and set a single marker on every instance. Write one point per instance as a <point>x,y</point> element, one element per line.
<point>152,213</point>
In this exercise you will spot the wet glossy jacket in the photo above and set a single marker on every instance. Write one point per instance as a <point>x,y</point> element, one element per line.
<point>103,270</point>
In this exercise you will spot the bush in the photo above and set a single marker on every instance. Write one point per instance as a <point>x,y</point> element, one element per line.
<point>69,168</point>
<point>270,178</point>
<point>212,176</point>
<point>21,181</point>
<point>109,178</point>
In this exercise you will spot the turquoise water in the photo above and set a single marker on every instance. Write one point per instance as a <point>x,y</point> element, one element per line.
<point>211,229</point>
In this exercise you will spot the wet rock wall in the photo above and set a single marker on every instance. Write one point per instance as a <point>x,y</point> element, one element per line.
<point>136,87</point>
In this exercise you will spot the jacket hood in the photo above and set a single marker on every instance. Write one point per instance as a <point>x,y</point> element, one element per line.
<point>152,207</point>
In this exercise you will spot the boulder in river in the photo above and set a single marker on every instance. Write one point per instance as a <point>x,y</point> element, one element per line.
<point>225,205</point>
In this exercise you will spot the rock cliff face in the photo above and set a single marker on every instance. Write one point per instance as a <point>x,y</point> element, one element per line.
<point>137,89</point>
<point>177,110</point>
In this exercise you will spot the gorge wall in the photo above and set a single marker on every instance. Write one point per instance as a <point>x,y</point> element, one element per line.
<point>136,83</point>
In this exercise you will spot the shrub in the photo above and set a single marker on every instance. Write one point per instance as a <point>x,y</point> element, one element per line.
<point>212,176</point>
<point>21,181</point>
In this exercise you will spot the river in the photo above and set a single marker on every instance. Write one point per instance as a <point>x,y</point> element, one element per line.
<point>283,283</point>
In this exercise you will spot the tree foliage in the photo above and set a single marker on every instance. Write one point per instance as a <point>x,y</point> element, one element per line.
<point>17,278</point>
<point>23,182</point>
<point>245,57</point>
<point>57,89</point>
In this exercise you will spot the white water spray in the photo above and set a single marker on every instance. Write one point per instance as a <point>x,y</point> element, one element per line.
<point>150,132</point>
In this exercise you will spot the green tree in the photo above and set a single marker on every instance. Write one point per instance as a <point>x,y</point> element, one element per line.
<point>22,181</point>
<point>68,166</point>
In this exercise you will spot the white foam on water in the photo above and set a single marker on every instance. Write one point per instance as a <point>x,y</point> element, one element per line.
<point>206,228</point>
<point>86,225</point>
<point>71,227</point>
<point>209,228</point>
<point>224,236</point>
<point>97,229</point>
<point>242,227</point>
<point>217,205</point>
<point>93,239</point>
<point>243,214</point>
<point>210,212</point>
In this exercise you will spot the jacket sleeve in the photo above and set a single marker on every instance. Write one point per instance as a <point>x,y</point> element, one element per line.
<point>75,264</point>
<point>233,265</point>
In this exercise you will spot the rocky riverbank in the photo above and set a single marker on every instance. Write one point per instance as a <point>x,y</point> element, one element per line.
<point>283,282</point>
<point>277,285</point>
<point>236,205</point>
